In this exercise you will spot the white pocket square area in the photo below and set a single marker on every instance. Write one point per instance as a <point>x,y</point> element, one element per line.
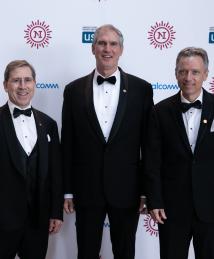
<point>212,127</point>
<point>49,138</point>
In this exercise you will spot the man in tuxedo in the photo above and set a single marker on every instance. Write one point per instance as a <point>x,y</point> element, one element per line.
<point>104,126</point>
<point>30,168</point>
<point>179,163</point>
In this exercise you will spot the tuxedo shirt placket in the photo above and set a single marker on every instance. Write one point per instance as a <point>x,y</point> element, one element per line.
<point>25,128</point>
<point>106,97</point>
<point>192,121</point>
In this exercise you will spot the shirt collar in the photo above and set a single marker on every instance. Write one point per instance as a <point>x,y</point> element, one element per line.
<point>116,74</point>
<point>12,106</point>
<point>200,98</point>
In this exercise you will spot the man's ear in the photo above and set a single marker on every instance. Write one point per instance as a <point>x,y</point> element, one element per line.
<point>5,86</point>
<point>92,48</point>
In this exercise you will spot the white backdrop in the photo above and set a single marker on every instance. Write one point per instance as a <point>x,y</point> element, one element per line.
<point>55,37</point>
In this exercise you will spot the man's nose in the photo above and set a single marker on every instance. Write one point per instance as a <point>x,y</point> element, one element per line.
<point>107,47</point>
<point>22,82</point>
<point>188,75</point>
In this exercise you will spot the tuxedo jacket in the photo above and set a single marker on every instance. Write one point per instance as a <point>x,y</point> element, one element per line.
<point>13,189</point>
<point>178,180</point>
<point>97,171</point>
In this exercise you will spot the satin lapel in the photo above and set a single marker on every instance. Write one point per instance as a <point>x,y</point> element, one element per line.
<point>121,105</point>
<point>42,143</point>
<point>12,140</point>
<point>206,116</point>
<point>90,108</point>
<point>177,114</point>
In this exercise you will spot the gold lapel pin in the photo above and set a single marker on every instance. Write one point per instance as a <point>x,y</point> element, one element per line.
<point>204,121</point>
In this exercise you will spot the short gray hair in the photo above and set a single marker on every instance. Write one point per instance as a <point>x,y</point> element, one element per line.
<point>190,52</point>
<point>111,28</point>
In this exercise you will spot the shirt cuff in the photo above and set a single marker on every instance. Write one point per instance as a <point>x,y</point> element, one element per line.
<point>68,196</point>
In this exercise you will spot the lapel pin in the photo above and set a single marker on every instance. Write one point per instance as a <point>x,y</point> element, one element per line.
<point>204,121</point>
<point>124,90</point>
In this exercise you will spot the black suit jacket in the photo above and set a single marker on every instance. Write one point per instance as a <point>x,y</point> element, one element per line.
<point>13,193</point>
<point>94,170</point>
<point>178,180</point>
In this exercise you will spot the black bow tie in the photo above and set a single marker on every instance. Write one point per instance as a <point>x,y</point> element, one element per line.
<point>186,106</point>
<point>111,80</point>
<point>17,112</point>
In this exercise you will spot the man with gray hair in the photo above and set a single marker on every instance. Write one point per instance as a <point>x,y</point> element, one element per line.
<point>104,127</point>
<point>179,163</point>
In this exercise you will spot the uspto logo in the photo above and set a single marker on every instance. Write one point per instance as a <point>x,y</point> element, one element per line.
<point>151,226</point>
<point>211,35</point>
<point>88,34</point>
<point>37,34</point>
<point>212,86</point>
<point>161,35</point>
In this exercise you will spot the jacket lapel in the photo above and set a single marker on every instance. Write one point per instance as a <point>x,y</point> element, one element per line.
<point>177,114</point>
<point>90,107</point>
<point>206,118</point>
<point>121,105</point>
<point>42,142</point>
<point>12,140</point>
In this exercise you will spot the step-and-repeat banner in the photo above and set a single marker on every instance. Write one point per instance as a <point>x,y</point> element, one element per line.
<point>55,36</point>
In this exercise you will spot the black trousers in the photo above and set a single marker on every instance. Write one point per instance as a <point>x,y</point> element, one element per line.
<point>123,227</point>
<point>175,237</point>
<point>27,242</point>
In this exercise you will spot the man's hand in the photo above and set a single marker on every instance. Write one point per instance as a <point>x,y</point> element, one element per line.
<point>158,215</point>
<point>68,205</point>
<point>54,226</point>
<point>143,208</point>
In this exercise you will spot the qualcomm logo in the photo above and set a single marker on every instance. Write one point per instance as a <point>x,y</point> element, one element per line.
<point>47,85</point>
<point>211,35</point>
<point>212,86</point>
<point>88,34</point>
<point>164,86</point>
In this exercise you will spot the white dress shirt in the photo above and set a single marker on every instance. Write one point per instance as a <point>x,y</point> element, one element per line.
<point>105,97</point>
<point>192,120</point>
<point>25,128</point>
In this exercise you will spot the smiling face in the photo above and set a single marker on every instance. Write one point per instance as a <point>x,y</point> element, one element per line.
<point>191,72</point>
<point>107,51</point>
<point>20,86</point>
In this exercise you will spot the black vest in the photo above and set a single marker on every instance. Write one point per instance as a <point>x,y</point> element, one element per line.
<point>30,166</point>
